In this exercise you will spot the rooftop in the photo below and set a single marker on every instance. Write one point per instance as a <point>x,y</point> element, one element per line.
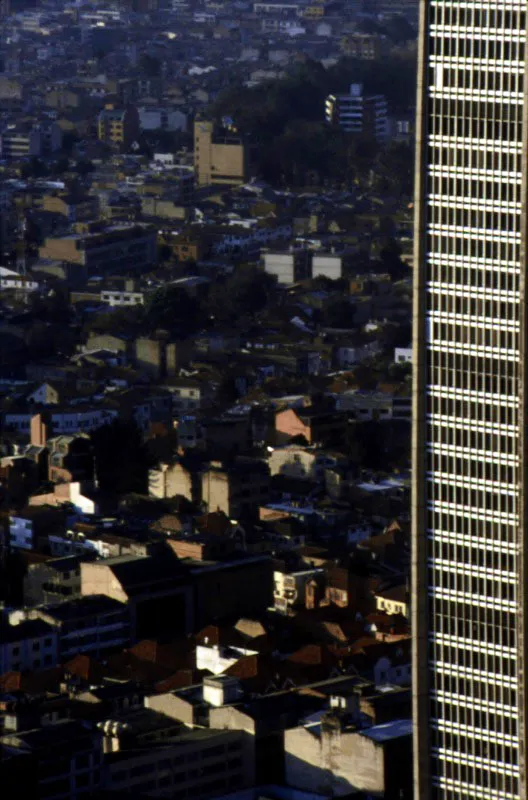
<point>389,730</point>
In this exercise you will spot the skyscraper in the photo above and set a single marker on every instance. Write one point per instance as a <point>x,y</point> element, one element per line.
<point>470,443</point>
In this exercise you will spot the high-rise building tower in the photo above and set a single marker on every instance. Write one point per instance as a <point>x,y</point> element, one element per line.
<point>470,436</point>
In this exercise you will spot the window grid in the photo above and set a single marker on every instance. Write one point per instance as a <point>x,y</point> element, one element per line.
<point>475,73</point>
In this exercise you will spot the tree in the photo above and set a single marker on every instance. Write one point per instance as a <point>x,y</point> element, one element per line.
<point>250,289</point>
<point>35,168</point>
<point>60,166</point>
<point>121,458</point>
<point>390,257</point>
<point>394,169</point>
<point>399,29</point>
<point>174,309</point>
<point>246,291</point>
<point>84,167</point>
<point>53,307</point>
<point>150,65</point>
<point>117,322</point>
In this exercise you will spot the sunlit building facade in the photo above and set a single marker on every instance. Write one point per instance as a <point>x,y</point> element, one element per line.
<point>469,432</point>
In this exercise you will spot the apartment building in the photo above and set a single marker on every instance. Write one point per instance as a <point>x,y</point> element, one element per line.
<point>96,248</point>
<point>220,156</point>
<point>118,126</point>
<point>358,113</point>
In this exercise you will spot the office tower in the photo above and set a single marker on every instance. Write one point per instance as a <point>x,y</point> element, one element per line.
<point>470,403</point>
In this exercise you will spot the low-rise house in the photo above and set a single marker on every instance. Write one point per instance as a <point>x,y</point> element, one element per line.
<point>70,459</point>
<point>63,420</point>
<point>179,478</point>
<point>380,406</point>
<point>96,249</point>
<point>317,426</point>
<point>237,488</point>
<point>393,600</point>
<point>73,494</point>
<point>202,763</point>
<point>310,463</point>
<point>188,394</point>
<point>403,355</point>
<point>67,757</point>
<point>291,588</point>
<point>32,645</point>
<point>122,299</point>
<point>223,588</point>
<point>14,281</point>
<point>156,588</point>
<point>54,580</point>
<point>91,624</point>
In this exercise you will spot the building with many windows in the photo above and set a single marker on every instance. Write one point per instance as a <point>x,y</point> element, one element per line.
<point>118,126</point>
<point>470,393</point>
<point>358,113</point>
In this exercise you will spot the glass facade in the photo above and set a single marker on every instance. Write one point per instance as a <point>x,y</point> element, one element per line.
<point>467,437</point>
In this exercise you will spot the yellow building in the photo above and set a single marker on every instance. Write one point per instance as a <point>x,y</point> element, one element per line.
<point>314,11</point>
<point>118,126</point>
<point>220,156</point>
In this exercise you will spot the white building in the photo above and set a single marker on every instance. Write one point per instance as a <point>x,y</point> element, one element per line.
<point>290,588</point>
<point>153,119</point>
<point>288,267</point>
<point>67,421</point>
<point>117,299</point>
<point>327,265</point>
<point>24,141</point>
<point>9,279</point>
<point>358,113</point>
<point>348,355</point>
<point>403,355</point>
<point>217,659</point>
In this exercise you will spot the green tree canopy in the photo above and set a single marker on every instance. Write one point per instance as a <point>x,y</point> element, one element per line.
<point>174,309</point>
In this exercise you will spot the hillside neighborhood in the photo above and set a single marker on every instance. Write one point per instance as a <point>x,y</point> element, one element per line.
<point>205,398</point>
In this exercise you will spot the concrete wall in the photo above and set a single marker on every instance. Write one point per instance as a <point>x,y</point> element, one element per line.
<point>170,480</point>
<point>289,423</point>
<point>329,266</point>
<point>333,764</point>
<point>99,579</point>
<point>282,265</point>
<point>173,706</point>
<point>223,592</point>
<point>296,462</point>
<point>215,491</point>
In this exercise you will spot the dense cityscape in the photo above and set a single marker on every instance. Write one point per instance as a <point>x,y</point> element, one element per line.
<point>206,291</point>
